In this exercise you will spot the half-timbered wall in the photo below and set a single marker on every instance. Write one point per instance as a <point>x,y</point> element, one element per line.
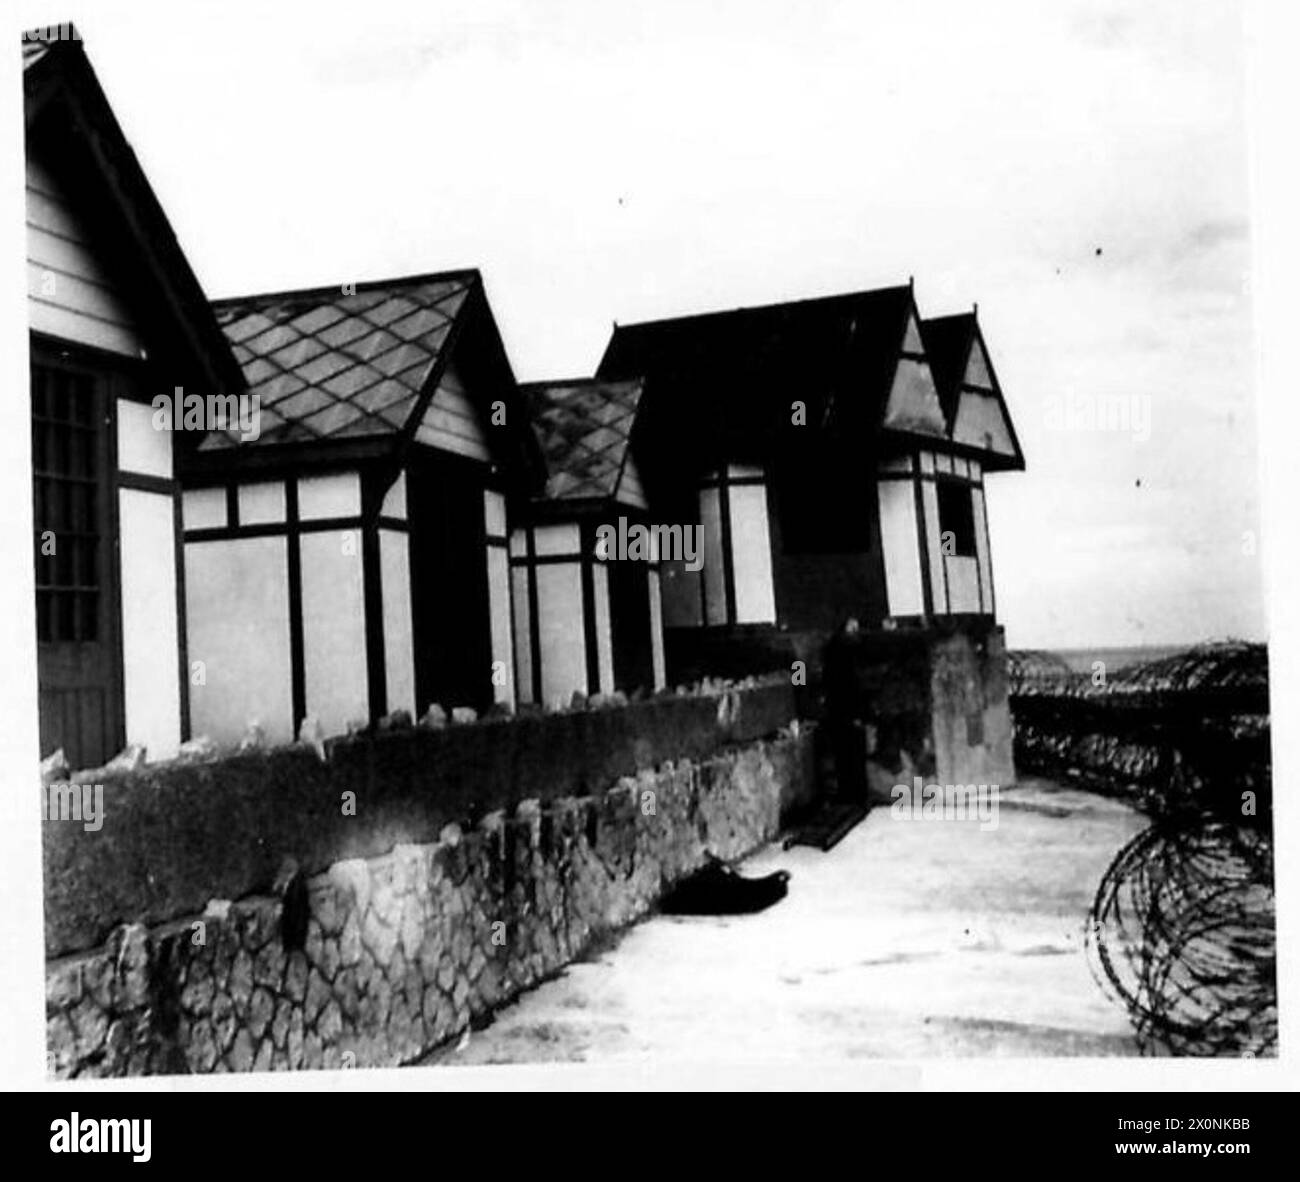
<point>934,536</point>
<point>288,591</point>
<point>395,581</point>
<point>981,421</point>
<point>735,584</point>
<point>581,623</point>
<point>74,300</point>
<point>499,597</point>
<point>152,691</point>
<point>913,402</point>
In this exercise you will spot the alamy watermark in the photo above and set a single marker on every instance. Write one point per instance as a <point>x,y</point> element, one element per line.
<point>946,802</point>
<point>179,411</point>
<point>1120,413</point>
<point>64,32</point>
<point>65,801</point>
<point>85,1134</point>
<point>649,543</point>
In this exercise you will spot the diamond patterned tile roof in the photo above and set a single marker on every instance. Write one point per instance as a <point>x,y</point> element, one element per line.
<point>330,365</point>
<point>583,428</point>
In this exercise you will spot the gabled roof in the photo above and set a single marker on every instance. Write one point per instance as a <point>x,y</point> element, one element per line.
<point>329,364</point>
<point>947,345</point>
<point>68,118</point>
<point>584,427</point>
<point>727,380</point>
<point>950,342</point>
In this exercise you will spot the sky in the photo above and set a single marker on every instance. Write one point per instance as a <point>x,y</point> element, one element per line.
<point>1079,170</point>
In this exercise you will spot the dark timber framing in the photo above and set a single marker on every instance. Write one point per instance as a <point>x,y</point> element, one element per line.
<point>374,486</point>
<point>724,480</point>
<point>919,477</point>
<point>585,556</point>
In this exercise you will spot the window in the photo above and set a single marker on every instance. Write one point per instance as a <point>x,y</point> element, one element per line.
<point>956,519</point>
<point>68,480</point>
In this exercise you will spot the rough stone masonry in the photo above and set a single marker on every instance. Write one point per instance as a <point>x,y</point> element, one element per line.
<point>402,952</point>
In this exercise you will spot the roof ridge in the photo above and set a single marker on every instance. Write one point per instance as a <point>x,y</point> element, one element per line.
<point>844,296</point>
<point>335,290</point>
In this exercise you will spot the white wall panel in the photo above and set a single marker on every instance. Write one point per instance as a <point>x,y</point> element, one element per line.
<point>237,624</point>
<point>334,628</point>
<point>523,632</point>
<point>261,503</point>
<point>399,644</point>
<point>913,400</point>
<point>150,629</point>
<point>657,631</point>
<point>751,548</point>
<point>563,642</point>
<point>901,548</point>
<point>203,508</point>
<point>604,637</point>
<point>335,495</point>
<point>499,609</point>
<point>963,583</point>
<point>141,448</point>
<point>982,551</point>
<point>549,540</point>
<point>981,423</point>
<point>934,546</point>
<point>494,513</point>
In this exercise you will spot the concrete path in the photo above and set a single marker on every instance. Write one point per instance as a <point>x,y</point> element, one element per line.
<point>908,939</point>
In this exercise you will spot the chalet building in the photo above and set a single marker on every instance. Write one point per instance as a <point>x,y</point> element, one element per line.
<point>116,317</point>
<point>766,425</point>
<point>587,618</point>
<point>836,472</point>
<point>982,439</point>
<point>352,559</point>
<point>399,523</point>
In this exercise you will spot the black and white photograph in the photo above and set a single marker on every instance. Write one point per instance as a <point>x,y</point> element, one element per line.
<point>642,539</point>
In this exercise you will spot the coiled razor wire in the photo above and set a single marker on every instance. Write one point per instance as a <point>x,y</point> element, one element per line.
<point>1182,933</point>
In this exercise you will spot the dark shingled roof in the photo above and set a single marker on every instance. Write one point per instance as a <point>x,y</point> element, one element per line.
<point>723,382</point>
<point>329,365</point>
<point>948,341</point>
<point>584,427</point>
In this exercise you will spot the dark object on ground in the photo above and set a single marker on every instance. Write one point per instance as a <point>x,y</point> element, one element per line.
<point>719,890</point>
<point>827,826</point>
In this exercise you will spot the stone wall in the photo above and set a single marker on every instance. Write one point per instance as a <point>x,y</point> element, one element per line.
<point>177,834</point>
<point>374,961</point>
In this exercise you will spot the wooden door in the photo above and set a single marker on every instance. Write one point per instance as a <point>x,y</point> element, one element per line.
<point>79,662</point>
<point>451,625</point>
<point>629,595</point>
